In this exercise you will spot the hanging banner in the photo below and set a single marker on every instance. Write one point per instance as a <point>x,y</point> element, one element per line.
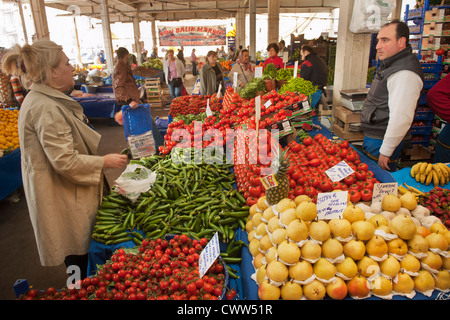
<point>192,36</point>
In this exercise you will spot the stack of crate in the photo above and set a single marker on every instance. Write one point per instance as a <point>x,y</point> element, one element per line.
<point>153,92</point>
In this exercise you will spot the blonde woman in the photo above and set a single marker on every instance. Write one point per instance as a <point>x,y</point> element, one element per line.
<point>61,171</point>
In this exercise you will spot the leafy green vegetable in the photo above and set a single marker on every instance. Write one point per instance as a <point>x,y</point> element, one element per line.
<point>270,71</point>
<point>254,85</point>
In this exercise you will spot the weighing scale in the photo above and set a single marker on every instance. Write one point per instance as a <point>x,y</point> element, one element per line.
<point>353,99</point>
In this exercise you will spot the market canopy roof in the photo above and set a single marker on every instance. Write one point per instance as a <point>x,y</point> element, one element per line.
<point>175,10</point>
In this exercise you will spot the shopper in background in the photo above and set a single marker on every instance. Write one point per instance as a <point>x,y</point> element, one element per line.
<point>211,75</point>
<point>282,48</point>
<point>230,55</point>
<point>272,50</point>
<point>154,53</point>
<point>61,170</point>
<point>101,55</point>
<point>124,86</point>
<point>237,54</point>
<point>313,68</point>
<point>144,56</point>
<point>438,99</point>
<point>388,111</point>
<point>126,91</point>
<point>194,61</point>
<point>180,56</point>
<point>244,69</point>
<point>174,72</point>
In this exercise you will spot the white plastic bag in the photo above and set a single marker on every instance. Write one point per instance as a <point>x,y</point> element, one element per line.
<point>370,15</point>
<point>135,180</point>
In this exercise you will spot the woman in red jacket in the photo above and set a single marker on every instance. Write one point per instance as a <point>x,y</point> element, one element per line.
<point>438,99</point>
<point>273,49</point>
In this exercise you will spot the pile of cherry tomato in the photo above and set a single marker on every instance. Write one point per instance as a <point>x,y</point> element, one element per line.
<point>161,269</point>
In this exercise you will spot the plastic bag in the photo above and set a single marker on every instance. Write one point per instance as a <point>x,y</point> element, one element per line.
<point>370,15</point>
<point>135,180</point>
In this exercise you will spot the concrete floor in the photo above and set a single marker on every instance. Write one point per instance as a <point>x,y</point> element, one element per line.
<point>19,258</point>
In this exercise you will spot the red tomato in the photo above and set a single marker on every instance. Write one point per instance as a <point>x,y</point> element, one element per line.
<point>363,166</point>
<point>366,195</point>
<point>251,201</point>
<point>361,175</point>
<point>355,195</point>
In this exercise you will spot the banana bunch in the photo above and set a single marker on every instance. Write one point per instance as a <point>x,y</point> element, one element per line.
<point>404,188</point>
<point>426,173</point>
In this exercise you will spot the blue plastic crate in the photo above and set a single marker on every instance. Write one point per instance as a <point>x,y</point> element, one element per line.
<point>432,67</point>
<point>137,121</point>
<point>428,84</point>
<point>423,130</point>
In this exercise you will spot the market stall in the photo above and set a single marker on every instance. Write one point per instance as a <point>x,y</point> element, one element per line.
<point>185,195</point>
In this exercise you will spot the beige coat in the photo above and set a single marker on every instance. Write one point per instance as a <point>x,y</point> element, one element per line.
<point>62,176</point>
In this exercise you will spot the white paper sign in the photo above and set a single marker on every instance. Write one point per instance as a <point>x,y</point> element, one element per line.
<point>208,255</point>
<point>295,69</point>
<point>339,171</point>
<point>142,145</point>
<point>219,91</point>
<point>258,72</point>
<point>268,103</point>
<point>208,109</point>
<point>257,108</point>
<point>331,205</point>
<point>285,56</point>
<point>382,189</point>
<point>235,76</point>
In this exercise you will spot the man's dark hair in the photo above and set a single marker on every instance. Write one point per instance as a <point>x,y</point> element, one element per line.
<point>121,52</point>
<point>307,48</point>
<point>244,50</point>
<point>273,45</point>
<point>401,29</point>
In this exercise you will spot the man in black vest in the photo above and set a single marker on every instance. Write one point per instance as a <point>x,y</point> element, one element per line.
<point>388,112</point>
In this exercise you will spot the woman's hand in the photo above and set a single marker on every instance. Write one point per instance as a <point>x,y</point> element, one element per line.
<point>134,104</point>
<point>114,160</point>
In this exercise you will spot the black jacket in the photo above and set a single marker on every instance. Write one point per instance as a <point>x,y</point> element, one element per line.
<point>315,70</point>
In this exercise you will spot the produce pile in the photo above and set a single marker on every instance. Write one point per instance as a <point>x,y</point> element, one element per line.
<point>159,269</point>
<point>299,85</point>
<point>153,63</point>
<point>9,135</point>
<point>193,104</point>
<point>189,197</point>
<point>226,65</point>
<point>437,201</point>
<point>305,170</point>
<point>426,173</point>
<point>380,250</point>
<point>145,72</point>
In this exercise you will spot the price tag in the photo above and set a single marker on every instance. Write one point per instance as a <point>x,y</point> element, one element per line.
<point>208,109</point>
<point>331,205</point>
<point>382,189</point>
<point>268,103</point>
<point>235,80</point>
<point>258,72</point>
<point>339,171</point>
<point>142,145</point>
<point>284,128</point>
<point>285,56</point>
<point>306,106</point>
<point>208,255</point>
<point>269,181</point>
<point>295,69</point>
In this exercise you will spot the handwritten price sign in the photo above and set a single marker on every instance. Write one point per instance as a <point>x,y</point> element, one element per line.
<point>331,205</point>
<point>339,171</point>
